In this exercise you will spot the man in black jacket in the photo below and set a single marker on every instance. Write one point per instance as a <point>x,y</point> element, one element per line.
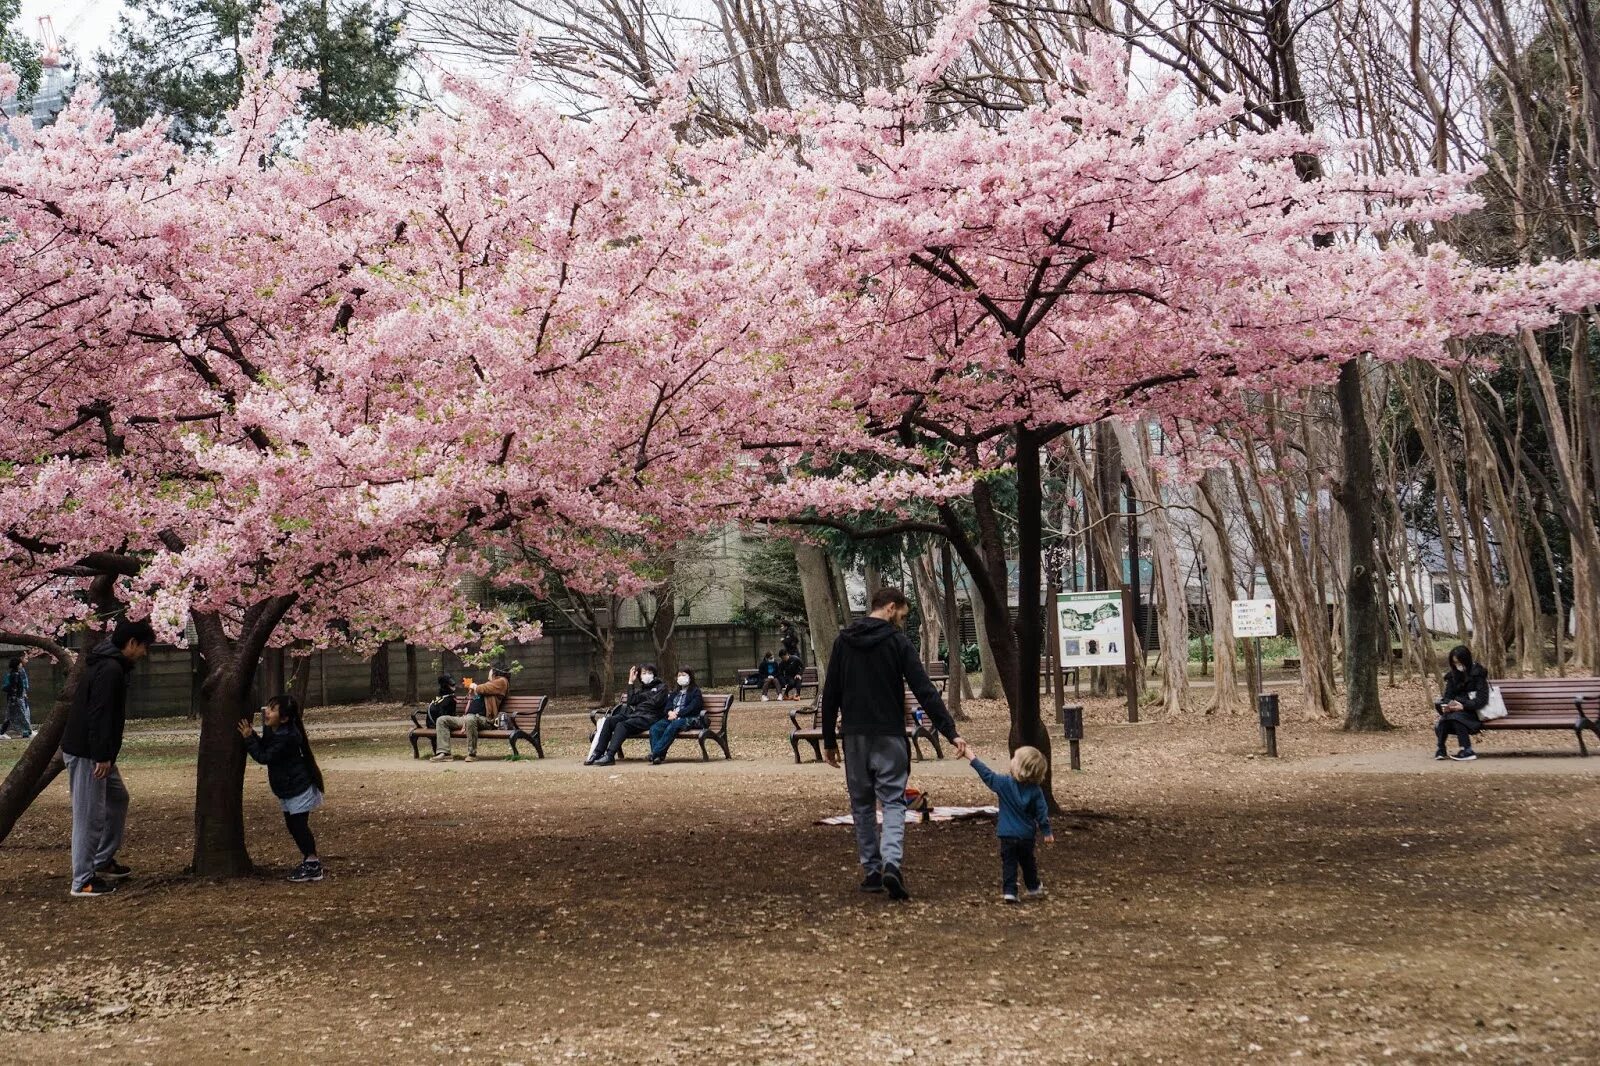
<point>90,744</point>
<point>645,705</point>
<point>871,665</point>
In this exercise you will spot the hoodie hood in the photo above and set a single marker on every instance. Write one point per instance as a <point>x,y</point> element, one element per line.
<point>868,632</point>
<point>105,650</point>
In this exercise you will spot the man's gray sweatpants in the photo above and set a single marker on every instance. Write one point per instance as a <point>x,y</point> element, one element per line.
<point>99,813</point>
<point>875,771</point>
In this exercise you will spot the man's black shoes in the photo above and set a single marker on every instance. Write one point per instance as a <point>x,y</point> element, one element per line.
<point>894,883</point>
<point>873,882</point>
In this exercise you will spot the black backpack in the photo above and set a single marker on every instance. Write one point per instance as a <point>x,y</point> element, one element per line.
<point>440,707</point>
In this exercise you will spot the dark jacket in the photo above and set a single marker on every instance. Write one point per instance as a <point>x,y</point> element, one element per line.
<point>644,703</point>
<point>282,751</point>
<point>1472,689</point>
<point>690,705</point>
<point>1023,811</point>
<point>768,667</point>
<point>791,668</point>
<point>871,665</point>
<point>99,707</point>
<point>791,640</point>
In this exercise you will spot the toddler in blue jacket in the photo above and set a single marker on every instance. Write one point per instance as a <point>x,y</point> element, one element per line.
<point>1023,815</point>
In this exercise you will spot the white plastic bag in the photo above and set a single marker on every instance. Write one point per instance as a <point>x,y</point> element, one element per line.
<point>1495,708</point>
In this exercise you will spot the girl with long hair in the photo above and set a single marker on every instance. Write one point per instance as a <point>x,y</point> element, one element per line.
<point>292,771</point>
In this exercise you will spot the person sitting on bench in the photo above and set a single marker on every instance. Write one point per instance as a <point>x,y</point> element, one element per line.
<point>483,709</point>
<point>644,706</point>
<point>790,670</point>
<point>1466,691</point>
<point>767,671</point>
<point>685,710</point>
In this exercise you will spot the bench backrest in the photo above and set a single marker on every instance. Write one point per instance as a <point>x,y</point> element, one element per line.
<point>717,707</point>
<point>526,711</point>
<point>1534,697</point>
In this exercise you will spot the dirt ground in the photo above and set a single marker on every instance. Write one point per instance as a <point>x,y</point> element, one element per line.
<point>1352,901</point>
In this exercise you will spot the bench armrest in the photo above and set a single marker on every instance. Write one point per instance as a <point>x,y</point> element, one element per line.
<point>419,719</point>
<point>794,716</point>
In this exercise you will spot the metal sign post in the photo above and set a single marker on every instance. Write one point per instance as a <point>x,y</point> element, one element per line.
<point>1256,619</point>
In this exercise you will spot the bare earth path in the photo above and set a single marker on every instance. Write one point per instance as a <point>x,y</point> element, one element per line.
<point>1351,902</point>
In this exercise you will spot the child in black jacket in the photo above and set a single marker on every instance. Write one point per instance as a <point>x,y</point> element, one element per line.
<point>292,772</point>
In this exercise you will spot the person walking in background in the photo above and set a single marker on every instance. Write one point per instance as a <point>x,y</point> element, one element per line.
<point>292,772</point>
<point>90,745</point>
<point>788,637</point>
<point>872,663</point>
<point>1024,815</point>
<point>18,715</point>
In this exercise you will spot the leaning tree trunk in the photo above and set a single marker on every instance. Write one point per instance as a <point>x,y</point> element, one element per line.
<point>989,687</point>
<point>824,613</point>
<point>41,759</point>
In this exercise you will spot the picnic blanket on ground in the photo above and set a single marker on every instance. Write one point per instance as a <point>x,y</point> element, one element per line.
<point>935,814</point>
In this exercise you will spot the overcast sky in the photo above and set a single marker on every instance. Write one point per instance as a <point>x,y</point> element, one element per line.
<point>85,25</point>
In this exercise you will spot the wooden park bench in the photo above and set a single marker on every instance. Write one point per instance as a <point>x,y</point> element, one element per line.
<point>527,714</point>
<point>811,733</point>
<point>716,712</point>
<point>808,679</point>
<point>1548,703</point>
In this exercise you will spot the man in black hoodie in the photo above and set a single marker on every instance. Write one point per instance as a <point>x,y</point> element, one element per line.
<point>90,745</point>
<point>872,663</point>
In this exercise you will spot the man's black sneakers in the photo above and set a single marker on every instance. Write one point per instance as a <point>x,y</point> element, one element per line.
<point>95,887</point>
<point>1440,756</point>
<point>873,882</point>
<point>306,871</point>
<point>112,871</point>
<point>895,883</point>
<point>1464,755</point>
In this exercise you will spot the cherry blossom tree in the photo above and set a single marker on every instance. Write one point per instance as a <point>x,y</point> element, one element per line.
<point>1107,253</point>
<point>297,395</point>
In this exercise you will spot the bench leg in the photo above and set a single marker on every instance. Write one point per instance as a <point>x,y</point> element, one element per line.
<point>416,754</point>
<point>916,747</point>
<point>1578,729</point>
<point>704,757</point>
<point>794,742</point>
<point>516,756</point>
<point>938,750</point>
<point>538,746</point>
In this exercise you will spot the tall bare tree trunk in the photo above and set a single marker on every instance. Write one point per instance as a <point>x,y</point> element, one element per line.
<point>380,691</point>
<point>1169,578</point>
<point>1220,589</point>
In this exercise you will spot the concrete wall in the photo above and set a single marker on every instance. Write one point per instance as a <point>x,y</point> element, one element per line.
<point>166,683</point>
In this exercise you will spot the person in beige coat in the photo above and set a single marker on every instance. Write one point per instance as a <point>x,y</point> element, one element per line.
<point>482,709</point>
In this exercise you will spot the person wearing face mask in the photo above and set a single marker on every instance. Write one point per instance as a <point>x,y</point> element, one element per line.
<point>685,710</point>
<point>644,706</point>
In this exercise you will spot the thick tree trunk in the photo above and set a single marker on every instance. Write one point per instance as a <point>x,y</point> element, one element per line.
<point>412,693</point>
<point>381,691</point>
<point>1027,726</point>
<point>1363,623</point>
<point>824,612</point>
<point>219,841</point>
<point>664,625</point>
<point>40,760</point>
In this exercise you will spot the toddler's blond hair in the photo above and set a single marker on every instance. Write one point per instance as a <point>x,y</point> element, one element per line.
<point>1028,766</point>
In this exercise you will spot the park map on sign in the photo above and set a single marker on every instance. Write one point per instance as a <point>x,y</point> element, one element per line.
<point>1084,622</point>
